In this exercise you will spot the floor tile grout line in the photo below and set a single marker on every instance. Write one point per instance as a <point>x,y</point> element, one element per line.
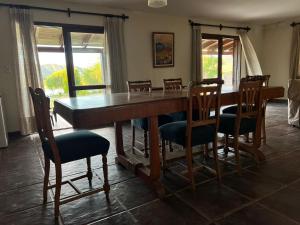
<point>277,212</point>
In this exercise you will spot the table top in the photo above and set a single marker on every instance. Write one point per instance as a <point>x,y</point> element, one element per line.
<point>118,99</point>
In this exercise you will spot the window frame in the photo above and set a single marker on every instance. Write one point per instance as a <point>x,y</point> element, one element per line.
<point>67,49</point>
<point>220,38</point>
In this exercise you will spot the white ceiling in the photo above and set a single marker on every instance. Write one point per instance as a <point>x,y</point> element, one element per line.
<point>257,11</point>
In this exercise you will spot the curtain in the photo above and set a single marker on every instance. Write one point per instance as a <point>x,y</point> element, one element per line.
<point>237,50</point>
<point>295,53</point>
<point>253,66</point>
<point>196,73</point>
<point>116,65</point>
<point>26,65</point>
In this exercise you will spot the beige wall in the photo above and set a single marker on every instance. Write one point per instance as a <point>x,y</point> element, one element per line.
<point>276,53</point>
<point>138,32</point>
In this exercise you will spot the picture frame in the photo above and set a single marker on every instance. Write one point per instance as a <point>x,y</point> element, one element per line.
<point>163,49</point>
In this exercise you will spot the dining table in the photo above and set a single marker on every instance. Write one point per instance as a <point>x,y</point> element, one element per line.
<point>96,111</point>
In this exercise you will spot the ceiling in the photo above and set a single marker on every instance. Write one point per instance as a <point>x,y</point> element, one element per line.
<point>245,11</point>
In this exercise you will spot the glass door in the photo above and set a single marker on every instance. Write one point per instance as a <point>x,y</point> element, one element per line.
<point>84,56</point>
<point>210,57</point>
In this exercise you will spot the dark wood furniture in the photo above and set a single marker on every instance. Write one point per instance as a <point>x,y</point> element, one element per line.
<point>197,130</point>
<point>66,148</point>
<point>246,120</point>
<point>94,112</point>
<point>173,84</point>
<point>146,87</point>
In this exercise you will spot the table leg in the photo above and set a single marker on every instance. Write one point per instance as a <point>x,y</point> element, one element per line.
<point>155,156</point>
<point>119,138</point>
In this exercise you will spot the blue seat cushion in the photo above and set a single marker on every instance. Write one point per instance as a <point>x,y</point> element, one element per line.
<point>227,123</point>
<point>176,132</point>
<point>233,109</point>
<point>143,122</point>
<point>77,145</point>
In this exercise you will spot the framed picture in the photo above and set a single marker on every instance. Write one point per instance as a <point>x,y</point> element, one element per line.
<point>163,49</point>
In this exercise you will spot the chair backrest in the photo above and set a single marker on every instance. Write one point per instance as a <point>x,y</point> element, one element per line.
<point>250,99</point>
<point>264,78</point>
<point>41,104</point>
<point>203,97</point>
<point>172,84</point>
<point>139,86</point>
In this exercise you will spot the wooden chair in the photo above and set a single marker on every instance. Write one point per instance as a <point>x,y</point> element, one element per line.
<point>198,131</point>
<point>233,109</point>
<point>66,148</point>
<point>246,119</point>
<point>174,84</point>
<point>142,123</point>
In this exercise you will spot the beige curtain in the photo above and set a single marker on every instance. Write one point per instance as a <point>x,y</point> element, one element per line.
<point>116,70</point>
<point>253,65</point>
<point>237,50</point>
<point>196,73</point>
<point>26,65</point>
<point>295,53</point>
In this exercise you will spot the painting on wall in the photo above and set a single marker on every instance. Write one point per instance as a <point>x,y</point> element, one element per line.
<point>163,49</point>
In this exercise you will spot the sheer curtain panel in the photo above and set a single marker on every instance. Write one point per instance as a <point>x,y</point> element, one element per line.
<point>196,74</point>
<point>253,65</point>
<point>116,71</point>
<point>26,65</point>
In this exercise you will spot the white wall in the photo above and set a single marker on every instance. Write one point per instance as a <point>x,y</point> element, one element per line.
<point>138,34</point>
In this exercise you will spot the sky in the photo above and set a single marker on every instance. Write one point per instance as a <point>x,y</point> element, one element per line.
<point>80,59</point>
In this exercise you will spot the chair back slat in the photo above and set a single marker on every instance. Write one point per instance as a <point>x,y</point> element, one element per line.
<point>139,86</point>
<point>202,99</point>
<point>172,84</point>
<point>249,97</point>
<point>41,104</point>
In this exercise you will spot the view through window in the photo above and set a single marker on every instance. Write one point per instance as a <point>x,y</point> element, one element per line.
<point>81,49</point>
<point>218,57</point>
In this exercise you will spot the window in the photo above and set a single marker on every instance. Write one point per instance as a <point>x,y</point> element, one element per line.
<point>71,59</point>
<point>218,57</point>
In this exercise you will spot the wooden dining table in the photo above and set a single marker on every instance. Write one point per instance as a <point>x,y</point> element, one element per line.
<point>91,112</point>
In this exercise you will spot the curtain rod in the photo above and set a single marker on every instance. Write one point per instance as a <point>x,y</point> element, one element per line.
<point>68,11</point>
<point>220,26</point>
<point>294,24</point>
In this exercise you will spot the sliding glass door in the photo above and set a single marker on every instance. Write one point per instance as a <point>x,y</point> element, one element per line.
<point>71,59</point>
<point>218,57</point>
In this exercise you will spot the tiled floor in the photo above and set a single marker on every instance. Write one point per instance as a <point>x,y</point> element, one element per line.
<point>268,194</point>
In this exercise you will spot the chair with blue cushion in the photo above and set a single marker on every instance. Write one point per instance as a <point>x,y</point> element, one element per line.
<point>199,131</point>
<point>60,149</point>
<point>233,109</point>
<point>246,119</point>
<point>142,123</point>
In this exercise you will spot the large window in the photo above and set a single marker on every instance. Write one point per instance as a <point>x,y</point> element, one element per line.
<point>71,59</point>
<point>218,54</point>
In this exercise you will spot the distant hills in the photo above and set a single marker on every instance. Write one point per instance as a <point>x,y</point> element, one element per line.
<point>48,69</point>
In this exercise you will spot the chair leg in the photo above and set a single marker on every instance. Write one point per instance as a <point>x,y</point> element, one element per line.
<point>226,149</point>
<point>163,152</point>
<point>263,127</point>
<point>146,144</point>
<point>189,158</point>
<point>170,146</point>
<point>133,139</point>
<point>89,170</point>
<point>46,180</point>
<point>237,155</point>
<point>57,190</point>
<point>217,165</point>
<point>106,186</point>
<point>206,152</point>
